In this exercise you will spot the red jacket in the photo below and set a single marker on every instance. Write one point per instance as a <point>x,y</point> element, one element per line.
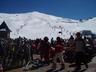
<point>59,48</point>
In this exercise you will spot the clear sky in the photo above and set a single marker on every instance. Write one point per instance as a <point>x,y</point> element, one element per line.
<point>75,9</point>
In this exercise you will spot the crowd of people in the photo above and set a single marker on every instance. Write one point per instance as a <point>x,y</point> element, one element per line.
<point>19,51</point>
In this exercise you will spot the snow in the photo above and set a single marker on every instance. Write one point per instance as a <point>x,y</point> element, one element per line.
<point>92,65</point>
<point>34,25</point>
<point>94,60</point>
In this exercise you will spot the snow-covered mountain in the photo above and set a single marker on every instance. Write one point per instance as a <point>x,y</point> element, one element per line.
<point>37,25</point>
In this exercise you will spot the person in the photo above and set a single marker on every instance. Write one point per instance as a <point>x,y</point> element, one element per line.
<point>80,51</point>
<point>44,49</point>
<point>70,41</point>
<point>69,52</point>
<point>59,48</point>
<point>1,68</point>
<point>36,46</point>
<point>52,42</point>
<point>3,52</point>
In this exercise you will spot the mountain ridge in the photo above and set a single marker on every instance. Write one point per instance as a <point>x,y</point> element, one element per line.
<point>37,25</point>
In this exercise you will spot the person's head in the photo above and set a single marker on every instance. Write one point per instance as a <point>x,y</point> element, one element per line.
<point>46,38</point>
<point>85,37</point>
<point>71,37</point>
<point>78,35</point>
<point>58,39</point>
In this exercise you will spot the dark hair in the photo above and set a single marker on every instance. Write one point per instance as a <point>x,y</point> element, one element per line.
<point>58,39</point>
<point>78,34</point>
<point>46,38</point>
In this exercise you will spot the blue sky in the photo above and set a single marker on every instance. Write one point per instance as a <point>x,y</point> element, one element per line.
<point>75,9</point>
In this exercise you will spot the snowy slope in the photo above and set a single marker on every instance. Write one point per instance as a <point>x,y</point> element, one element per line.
<point>92,66</point>
<point>37,25</point>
